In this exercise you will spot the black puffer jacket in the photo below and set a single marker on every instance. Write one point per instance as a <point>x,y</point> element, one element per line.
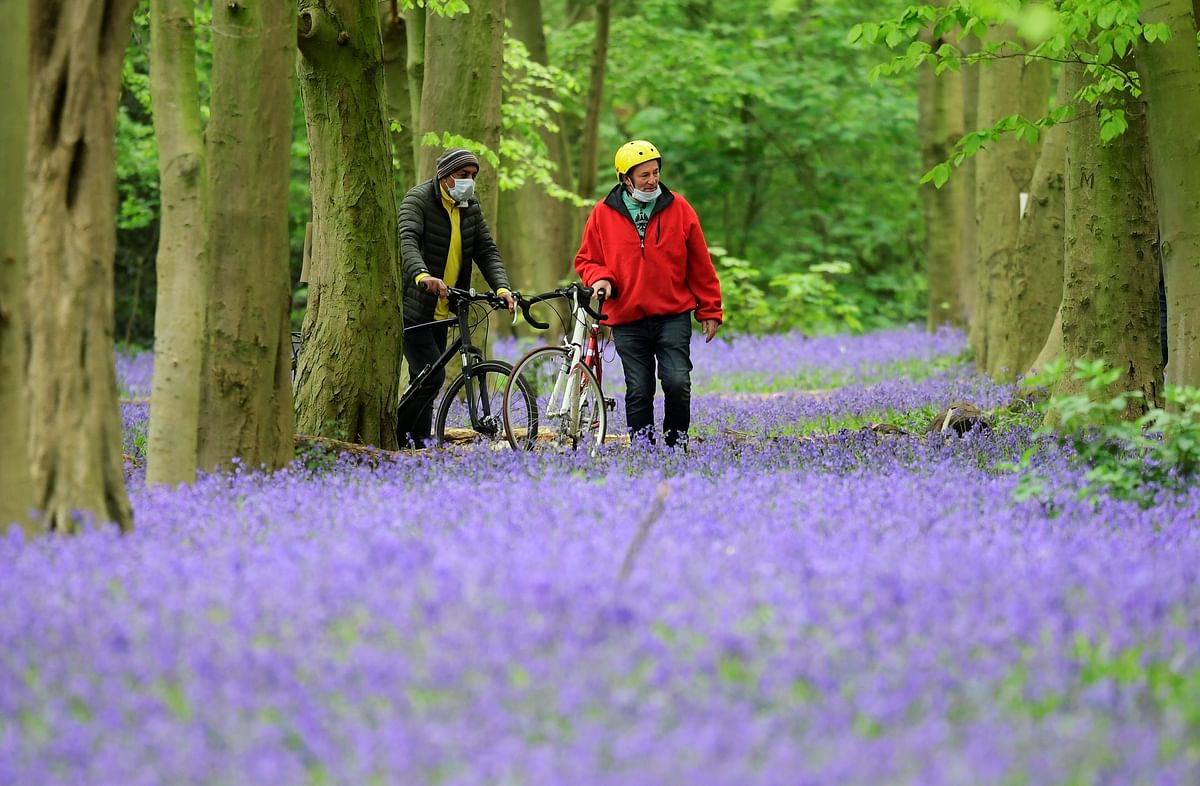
<point>425,241</point>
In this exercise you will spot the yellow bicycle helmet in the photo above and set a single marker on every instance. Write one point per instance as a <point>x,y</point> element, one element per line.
<point>633,153</point>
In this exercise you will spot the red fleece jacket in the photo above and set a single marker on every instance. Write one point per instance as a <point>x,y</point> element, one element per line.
<point>670,272</point>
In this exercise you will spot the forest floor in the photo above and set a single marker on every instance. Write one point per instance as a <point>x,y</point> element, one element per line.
<point>804,596</point>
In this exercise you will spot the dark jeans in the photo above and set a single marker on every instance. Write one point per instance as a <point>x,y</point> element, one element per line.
<point>422,348</point>
<point>667,341</point>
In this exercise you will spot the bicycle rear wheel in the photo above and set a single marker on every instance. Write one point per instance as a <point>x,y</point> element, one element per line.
<point>569,404</point>
<point>472,413</point>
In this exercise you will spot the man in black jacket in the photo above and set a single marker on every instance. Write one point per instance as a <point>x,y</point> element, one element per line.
<point>442,232</point>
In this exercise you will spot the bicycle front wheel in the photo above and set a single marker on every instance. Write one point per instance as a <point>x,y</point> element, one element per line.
<point>472,409</point>
<point>569,404</point>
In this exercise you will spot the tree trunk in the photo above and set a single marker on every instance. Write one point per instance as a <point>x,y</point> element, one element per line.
<point>247,394</point>
<point>75,424</point>
<point>536,231</point>
<point>595,99</point>
<point>394,30</point>
<point>1110,292</point>
<point>1028,301</point>
<point>349,364</point>
<point>16,497</point>
<point>414,29</point>
<point>1170,74</point>
<point>183,261</point>
<point>968,243</point>
<point>464,56</point>
<point>1003,171</point>
<point>940,114</point>
<point>1052,349</point>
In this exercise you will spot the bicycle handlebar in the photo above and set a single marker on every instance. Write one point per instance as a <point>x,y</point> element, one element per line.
<point>584,300</point>
<point>471,296</point>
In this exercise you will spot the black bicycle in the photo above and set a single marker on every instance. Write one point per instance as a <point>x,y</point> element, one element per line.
<point>472,407</point>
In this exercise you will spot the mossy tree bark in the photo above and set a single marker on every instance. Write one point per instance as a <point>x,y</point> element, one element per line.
<point>183,271</point>
<point>1003,171</point>
<point>393,27</point>
<point>1170,74</point>
<point>246,402</point>
<point>414,29</point>
<point>968,243</point>
<point>349,365</point>
<point>464,56</point>
<point>75,424</point>
<point>16,497</point>
<point>537,231</point>
<point>1052,349</point>
<point>1110,291</point>
<point>940,116</point>
<point>1028,302</point>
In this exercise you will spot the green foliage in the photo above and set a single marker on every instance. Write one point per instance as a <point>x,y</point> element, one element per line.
<point>771,130</point>
<point>533,94</point>
<point>317,458</point>
<point>1097,33</point>
<point>806,300</point>
<point>1127,459</point>
<point>819,298</point>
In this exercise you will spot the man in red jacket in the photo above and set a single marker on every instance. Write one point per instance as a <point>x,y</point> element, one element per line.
<point>644,250</point>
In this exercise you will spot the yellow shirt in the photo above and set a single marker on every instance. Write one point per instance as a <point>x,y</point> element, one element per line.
<point>453,256</point>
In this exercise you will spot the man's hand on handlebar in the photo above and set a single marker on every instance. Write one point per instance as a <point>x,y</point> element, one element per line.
<point>435,286</point>
<point>511,303</point>
<point>603,288</point>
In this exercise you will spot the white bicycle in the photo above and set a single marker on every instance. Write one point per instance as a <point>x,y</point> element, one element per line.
<point>570,408</point>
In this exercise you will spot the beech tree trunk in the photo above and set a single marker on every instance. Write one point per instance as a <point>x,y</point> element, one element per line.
<point>536,231</point>
<point>1003,171</point>
<point>349,365</point>
<point>16,497</point>
<point>464,56</point>
<point>414,30</point>
<point>394,30</point>
<point>1170,74</point>
<point>247,394</point>
<point>1053,348</point>
<point>940,114</point>
<point>968,244</point>
<point>183,263</point>
<point>1027,303</point>
<point>75,423</point>
<point>595,100</point>
<point>1110,292</point>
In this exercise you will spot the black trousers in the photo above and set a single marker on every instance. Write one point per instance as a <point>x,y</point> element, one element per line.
<point>664,342</point>
<point>422,348</point>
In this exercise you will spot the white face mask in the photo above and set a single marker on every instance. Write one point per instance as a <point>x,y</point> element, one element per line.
<point>463,189</point>
<point>646,196</point>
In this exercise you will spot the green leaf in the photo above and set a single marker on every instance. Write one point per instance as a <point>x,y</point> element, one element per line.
<point>944,25</point>
<point>941,173</point>
<point>1107,15</point>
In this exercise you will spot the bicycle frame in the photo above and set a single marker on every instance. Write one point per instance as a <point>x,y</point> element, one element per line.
<point>471,355</point>
<point>583,348</point>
